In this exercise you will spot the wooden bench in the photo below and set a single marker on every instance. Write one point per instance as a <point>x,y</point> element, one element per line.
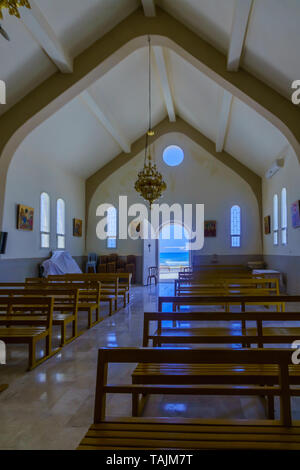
<point>109,296</point>
<point>116,283</point>
<point>89,293</point>
<point>39,316</point>
<point>185,433</point>
<point>242,301</point>
<point>65,305</point>
<point>217,286</point>
<point>257,333</point>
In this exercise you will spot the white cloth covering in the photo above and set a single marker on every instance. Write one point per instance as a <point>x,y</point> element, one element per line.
<point>61,262</point>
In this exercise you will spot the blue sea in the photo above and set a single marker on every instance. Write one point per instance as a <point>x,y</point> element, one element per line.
<point>173,259</point>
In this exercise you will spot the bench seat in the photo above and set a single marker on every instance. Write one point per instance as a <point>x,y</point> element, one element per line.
<point>112,299</point>
<point>215,373</point>
<point>219,334</point>
<point>15,333</point>
<point>174,433</point>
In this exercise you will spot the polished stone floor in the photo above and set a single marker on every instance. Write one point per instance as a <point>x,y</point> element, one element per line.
<point>51,407</point>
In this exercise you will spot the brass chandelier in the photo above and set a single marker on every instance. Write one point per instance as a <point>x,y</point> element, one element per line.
<point>150,184</point>
<point>13,6</point>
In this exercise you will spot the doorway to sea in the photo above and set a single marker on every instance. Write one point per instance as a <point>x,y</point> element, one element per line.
<point>174,253</point>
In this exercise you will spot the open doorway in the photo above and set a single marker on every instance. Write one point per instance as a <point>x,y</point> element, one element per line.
<point>173,251</point>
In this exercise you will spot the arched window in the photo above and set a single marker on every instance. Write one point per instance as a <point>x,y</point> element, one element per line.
<point>45,220</point>
<point>60,224</point>
<point>112,227</point>
<point>283,217</point>
<point>275,219</point>
<point>235,226</point>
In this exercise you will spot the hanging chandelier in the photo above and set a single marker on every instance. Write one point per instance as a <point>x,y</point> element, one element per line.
<point>150,184</point>
<point>13,6</point>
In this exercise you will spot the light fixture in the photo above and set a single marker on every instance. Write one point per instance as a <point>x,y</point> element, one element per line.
<point>13,6</point>
<point>150,183</point>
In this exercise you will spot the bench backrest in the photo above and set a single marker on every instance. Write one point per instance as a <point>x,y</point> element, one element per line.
<point>63,283</point>
<point>259,318</point>
<point>87,278</point>
<point>62,293</point>
<point>31,306</point>
<point>230,282</point>
<point>241,300</point>
<point>282,358</point>
<point>229,286</point>
<point>216,275</point>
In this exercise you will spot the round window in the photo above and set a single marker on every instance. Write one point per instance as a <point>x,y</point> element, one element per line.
<point>173,155</point>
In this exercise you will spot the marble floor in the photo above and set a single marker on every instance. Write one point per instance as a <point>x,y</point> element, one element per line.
<point>52,406</point>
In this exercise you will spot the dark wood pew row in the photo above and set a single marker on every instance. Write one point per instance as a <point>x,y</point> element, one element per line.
<point>37,325</point>
<point>185,433</point>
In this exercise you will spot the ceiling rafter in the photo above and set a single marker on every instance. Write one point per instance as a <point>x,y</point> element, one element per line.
<point>149,7</point>
<point>106,120</point>
<point>165,83</point>
<point>38,26</point>
<point>223,122</point>
<point>238,33</point>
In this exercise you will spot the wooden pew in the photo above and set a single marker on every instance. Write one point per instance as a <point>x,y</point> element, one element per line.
<point>89,293</point>
<point>230,286</point>
<point>242,301</point>
<point>259,334</point>
<point>186,433</point>
<point>110,296</point>
<point>122,289</point>
<point>39,316</point>
<point>65,305</point>
<point>230,375</point>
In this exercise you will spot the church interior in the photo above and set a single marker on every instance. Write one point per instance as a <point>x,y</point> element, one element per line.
<point>149,225</point>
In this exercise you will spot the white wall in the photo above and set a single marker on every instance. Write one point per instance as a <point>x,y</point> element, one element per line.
<point>199,179</point>
<point>29,175</point>
<point>288,177</point>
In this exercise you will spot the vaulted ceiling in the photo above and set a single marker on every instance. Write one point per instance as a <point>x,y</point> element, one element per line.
<point>260,36</point>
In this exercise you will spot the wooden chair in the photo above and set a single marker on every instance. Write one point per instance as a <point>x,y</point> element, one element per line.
<point>38,313</point>
<point>185,433</point>
<point>152,274</point>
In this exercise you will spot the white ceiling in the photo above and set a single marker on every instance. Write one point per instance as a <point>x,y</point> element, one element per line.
<point>75,137</point>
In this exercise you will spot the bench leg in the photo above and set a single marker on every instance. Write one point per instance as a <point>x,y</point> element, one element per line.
<point>48,344</point>
<point>271,408</point>
<point>135,404</point>
<point>116,304</point>
<point>98,314</point>
<point>63,334</point>
<point>74,327</point>
<point>90,314</point>
<point>32,351</point>
<point>124,300</point>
